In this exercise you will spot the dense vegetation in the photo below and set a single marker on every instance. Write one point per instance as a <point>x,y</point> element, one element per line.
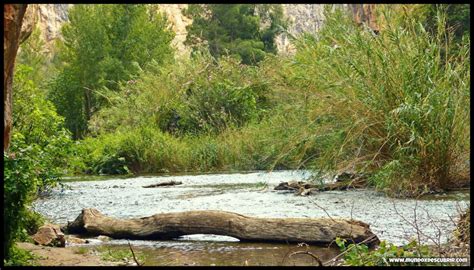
<point>41,148</point>
<point>104,45</point>
<point>235,29</point>
<point>115,100</point>
<point>395,102</point>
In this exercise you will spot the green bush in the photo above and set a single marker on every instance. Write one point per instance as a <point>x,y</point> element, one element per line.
<point>20,183</point>
<point>191,97</point>
<point>198,115</point>
<point>32,222</point>
<point>393,103</point>
<point>38,154</point>
<point>20,257</point>
<point>361,255</point>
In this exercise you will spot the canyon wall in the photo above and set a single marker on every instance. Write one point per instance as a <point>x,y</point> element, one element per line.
<point>302,17</point>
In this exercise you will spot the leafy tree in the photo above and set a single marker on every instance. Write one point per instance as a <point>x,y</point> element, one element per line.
<point>39,151</point>
<point>103,46</point>
<point>246,30</point>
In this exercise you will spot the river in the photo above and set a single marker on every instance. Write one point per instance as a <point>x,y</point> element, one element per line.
<point>249,194</point>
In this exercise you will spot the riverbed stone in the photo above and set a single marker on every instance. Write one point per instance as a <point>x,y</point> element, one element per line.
<point>75,240</point>
<point>104,238</point>
<point>50,235</point>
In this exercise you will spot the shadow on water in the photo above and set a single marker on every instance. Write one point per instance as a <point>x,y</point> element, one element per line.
<point>207,253</point>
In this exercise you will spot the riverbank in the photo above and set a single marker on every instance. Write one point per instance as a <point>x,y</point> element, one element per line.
<point>59,256</point>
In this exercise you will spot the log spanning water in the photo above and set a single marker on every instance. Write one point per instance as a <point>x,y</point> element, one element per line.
<point>251,229</point>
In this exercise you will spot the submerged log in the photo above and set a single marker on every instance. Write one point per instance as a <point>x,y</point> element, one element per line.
<point>170,183</point>
<point>171,225</point>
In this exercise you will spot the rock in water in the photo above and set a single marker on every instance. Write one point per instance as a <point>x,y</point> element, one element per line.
<point>50,235</point>
<point>75,240</point>
<point>104,238</point>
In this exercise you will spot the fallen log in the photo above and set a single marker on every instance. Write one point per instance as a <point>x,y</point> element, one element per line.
<point>170,183</point>
<point>172,225</point>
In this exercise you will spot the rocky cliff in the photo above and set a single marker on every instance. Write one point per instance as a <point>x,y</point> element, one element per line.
<point>303,17</point>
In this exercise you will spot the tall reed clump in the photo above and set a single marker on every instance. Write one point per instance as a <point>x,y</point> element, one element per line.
<point>396,103</point>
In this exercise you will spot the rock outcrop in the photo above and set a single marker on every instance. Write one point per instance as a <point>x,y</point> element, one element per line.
<point>30,20</point>
<point>51,18</point>
<point>179,23</point>
<point>365,13</point>
<point>303,18</point>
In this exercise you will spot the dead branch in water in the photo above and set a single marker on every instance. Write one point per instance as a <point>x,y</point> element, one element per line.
<point>169,183</point>
<point>133,253</point>
<point>320,263</point>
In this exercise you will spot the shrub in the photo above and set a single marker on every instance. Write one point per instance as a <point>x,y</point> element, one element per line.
<point>393,103</point>
<point>39,151</point>
<point>20,257</point>
<point>194,96</point>
<point>32,222</point>
<point>360,255</point>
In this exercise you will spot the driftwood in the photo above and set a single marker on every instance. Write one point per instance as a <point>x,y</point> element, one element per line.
<point>171,225</point>
<point>169,183</point>
<point>344,181</point>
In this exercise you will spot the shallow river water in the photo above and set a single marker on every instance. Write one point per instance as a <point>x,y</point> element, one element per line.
<point>249,194</point>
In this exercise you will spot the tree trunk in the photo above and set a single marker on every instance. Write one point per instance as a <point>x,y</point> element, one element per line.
<point>171,225</point>
<point>12,19</point>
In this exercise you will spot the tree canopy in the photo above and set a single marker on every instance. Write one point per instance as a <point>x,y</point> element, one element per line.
<point>105,45</point>
<point>244,30</point>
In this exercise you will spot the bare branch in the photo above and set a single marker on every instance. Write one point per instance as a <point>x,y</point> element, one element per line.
<point>321,209</point>
<point>320,263</point>
<point>133,253</point>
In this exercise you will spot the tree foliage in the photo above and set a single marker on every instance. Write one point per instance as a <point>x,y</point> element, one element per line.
<point>193,97</point>
<point>103,46</point>
<point>39,152</point>
<point>246,30</point>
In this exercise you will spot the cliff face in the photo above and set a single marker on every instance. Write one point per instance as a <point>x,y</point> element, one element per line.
<point>302,17</point>
<point>179,23</point>
<point>51,18</point>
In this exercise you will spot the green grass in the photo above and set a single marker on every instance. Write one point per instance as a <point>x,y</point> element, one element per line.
<point>81,250</point>
<point>116,254</point>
